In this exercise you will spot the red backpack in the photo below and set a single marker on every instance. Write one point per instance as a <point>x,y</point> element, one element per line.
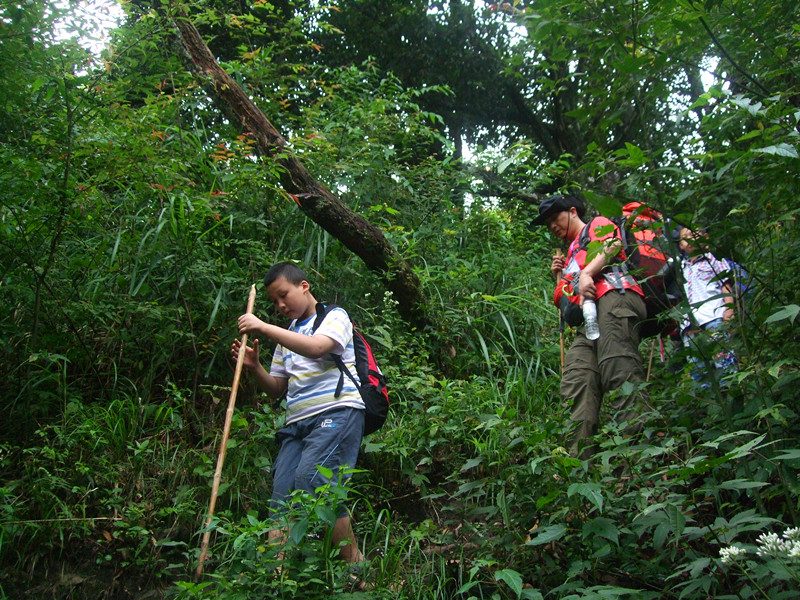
<point>648,260</point>
<point>372,386</point>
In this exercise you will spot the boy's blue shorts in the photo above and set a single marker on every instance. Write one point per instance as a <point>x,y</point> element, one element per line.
<point>331,439</point>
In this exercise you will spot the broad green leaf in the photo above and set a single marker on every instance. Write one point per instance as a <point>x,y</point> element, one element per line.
<point>793,454</point>
<point>741,484</point>
<point>298,531</point>
<point>605,205</point>
<point>593,492</point>
<point>677,520</point>
<point>635,156</point>
<point>779,150</point>
<point>789,311</point>
<point>471,463</point>
<point>504,165</point>
<point>750,134</point>
<point>325,472</point>
<point>545,535</point>
<point>466,587</point>
<point>660,535</point>
<point>601,527</point>
<point>326,513</point>
<point>511,578</point>
<point>548,498</point>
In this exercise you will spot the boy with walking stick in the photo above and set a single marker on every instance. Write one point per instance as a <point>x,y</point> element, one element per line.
<point>324,425</point>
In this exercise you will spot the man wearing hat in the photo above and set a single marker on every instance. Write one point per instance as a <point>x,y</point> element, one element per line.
<point>592,272</point>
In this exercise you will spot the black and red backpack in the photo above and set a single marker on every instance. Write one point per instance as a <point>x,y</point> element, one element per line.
<point>371,382</point>
<point>649,261</point>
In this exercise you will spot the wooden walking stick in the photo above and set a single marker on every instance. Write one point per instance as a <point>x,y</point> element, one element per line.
<point>251,300</point>
<point>560,319</point>
<point>650,362</point>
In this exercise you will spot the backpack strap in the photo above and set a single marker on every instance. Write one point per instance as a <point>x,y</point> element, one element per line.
<point>583,237</point>
<point>322,312</point>
<point>618,268</point>
<point>345,371</point>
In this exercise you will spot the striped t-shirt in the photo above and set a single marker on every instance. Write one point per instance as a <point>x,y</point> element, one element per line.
<point>312,381</point>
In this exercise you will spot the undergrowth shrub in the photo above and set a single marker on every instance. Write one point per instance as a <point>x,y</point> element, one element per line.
<point>109,488</point>
<point>661,505</point>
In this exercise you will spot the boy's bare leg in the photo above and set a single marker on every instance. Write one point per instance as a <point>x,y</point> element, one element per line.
<point>278,537</point>
<point>342,532</point>
<point>345,540</point>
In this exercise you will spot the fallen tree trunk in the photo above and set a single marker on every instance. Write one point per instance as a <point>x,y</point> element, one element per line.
<point>314,198</point>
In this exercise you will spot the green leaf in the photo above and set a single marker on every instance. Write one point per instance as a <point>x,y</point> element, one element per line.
<point>741,484</point>
<point>636,157</point>
<point>325,472</point>
<point>750,134</point>
<point>677,520</point>
<point>504,165</point>
<point>779,150</point>
<point>545,535</point>
<point>298,531</point>
<point>605,205</point>
<point>326,513</point>
<point>601,527</point>
<point>789,311</point>
<point>215,309</point>
<point>548,498</point>
<point>471,463</point>
<point>754,108</point>
<point>660,535</point>
<point>591,491</point>
<point>466,587</point>
<point>511,578</point>
<point>787,455</point>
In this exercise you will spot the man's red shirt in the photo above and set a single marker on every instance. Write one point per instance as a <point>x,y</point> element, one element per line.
<point>599,229</point>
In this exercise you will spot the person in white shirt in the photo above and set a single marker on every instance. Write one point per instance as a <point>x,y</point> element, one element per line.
<point>711,304</point>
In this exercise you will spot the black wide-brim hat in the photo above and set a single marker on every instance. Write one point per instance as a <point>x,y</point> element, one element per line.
<point>556,204</point>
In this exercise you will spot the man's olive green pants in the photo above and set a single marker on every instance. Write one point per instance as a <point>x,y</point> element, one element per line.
<point>592,368</point>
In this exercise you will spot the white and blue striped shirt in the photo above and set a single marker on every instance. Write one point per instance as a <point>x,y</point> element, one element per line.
<point>313,381</point>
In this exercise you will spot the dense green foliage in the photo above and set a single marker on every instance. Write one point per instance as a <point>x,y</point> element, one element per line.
<point>134,218</point>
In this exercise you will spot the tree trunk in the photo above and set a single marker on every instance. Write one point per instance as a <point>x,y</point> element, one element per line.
<point>361,237</point>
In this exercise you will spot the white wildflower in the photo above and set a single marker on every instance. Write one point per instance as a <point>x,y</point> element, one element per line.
<point>730,554</point>
<point>772,545</point>
<point>792,534</point>
<point>792,537</point>
<point>768,544</point>
<point>388,299</point>
<point>794,551</point>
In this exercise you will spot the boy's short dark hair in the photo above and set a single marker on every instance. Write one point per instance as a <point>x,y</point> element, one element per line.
<point>287,269</point>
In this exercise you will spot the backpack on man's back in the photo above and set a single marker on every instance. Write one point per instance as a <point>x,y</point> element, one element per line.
<point>649,260</point>
<point>371,381</point>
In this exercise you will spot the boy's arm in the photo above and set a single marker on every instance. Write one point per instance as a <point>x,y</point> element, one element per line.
<point>728,300</point>
<point>310,346</point>
<point>726,287</point>
<point>275,387</point>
